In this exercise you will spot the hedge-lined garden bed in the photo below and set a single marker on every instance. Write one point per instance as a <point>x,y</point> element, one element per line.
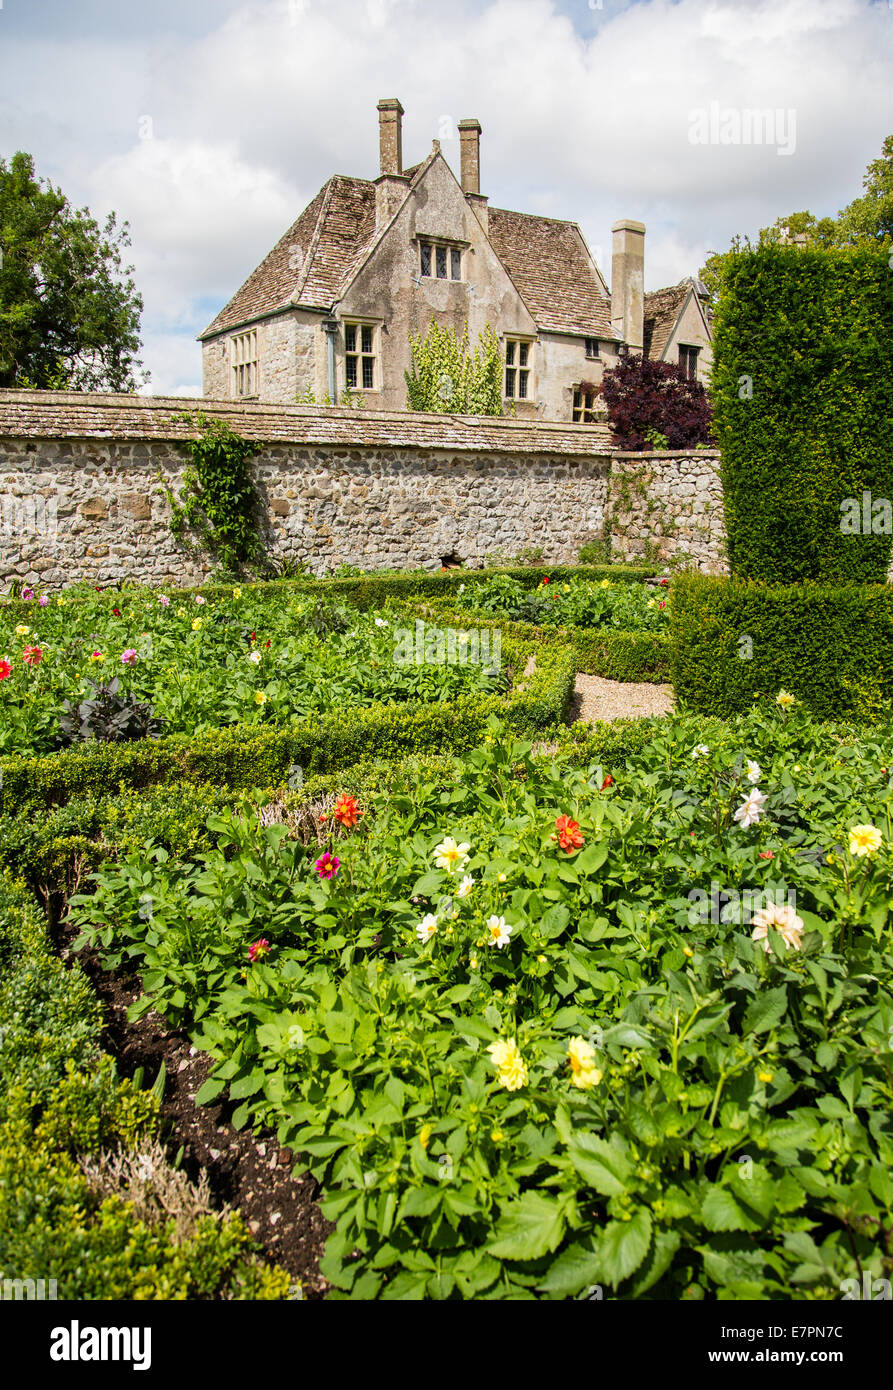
<point>524,1040</point>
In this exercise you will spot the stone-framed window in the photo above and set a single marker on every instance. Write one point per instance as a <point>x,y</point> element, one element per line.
<point>440,261</point>
<point>584,404</point>
<point>518,368</point>
<point>361,369</point>
<point>591,347</point>
<point>244,363</point>
<point>688,360</point>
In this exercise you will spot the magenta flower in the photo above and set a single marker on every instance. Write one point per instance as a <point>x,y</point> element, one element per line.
<point>163,600</point>
<point>27,593</point>
<point>43,600</point>
<point>327,865</point>
<point>258,949</point>
<point>129,656</point>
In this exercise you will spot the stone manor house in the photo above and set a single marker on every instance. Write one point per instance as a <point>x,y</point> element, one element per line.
<point>369,263</point>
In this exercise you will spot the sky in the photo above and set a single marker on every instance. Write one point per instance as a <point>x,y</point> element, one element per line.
<point>208,125</point>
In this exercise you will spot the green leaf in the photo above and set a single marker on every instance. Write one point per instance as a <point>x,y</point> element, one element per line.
<point>554,921</point>
<point>528,1228</point>
<point>426,885</point>
<point>624,1246</point>
<point>592,857</point>
<point>721,1211</point>
<point>665,1245</point>
<point>603,1166</point>
<point>766,1010</point>
<point>247,1085</point>
<point>576,1268</point>
<point>210,1090</point>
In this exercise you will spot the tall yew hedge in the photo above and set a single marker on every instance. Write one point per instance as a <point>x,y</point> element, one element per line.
<point>802,387</point>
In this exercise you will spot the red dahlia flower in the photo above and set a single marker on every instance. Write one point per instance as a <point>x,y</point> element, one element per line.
<point>327,865</point>
<point>5,669</point>
<point>347,812</point>
<point>570,837</point>
<point>608,782</point>
<point>33,655</point>
<point>258,949</point>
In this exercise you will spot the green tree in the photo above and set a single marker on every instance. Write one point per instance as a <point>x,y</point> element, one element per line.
<point>69,311</point>
<point>446,377</point>
<point>867,221</point>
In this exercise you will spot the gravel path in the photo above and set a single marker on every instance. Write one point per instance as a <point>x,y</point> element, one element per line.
<point>598,700</point>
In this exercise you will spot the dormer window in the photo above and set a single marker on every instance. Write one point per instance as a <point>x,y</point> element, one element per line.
<point>439,261</point>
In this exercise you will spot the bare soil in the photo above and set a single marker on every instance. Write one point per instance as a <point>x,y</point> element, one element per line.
<point>249,1173</point>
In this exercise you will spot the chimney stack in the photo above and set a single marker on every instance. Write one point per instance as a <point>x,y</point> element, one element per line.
<point>390,135</point>
<point>391,184</point>
<point>470,155</point>
<point>628,283</point>
<point>470,168</point>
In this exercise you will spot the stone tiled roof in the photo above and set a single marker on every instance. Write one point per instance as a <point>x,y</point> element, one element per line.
<point>76,415</point>
<point>662,309</point>
<point>313,260</point>
<point>553,271</point>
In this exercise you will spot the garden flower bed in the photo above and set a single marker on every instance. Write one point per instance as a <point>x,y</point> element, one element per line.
<point>545,1025</point>
<point>575,602</point>
<point>191,667</point>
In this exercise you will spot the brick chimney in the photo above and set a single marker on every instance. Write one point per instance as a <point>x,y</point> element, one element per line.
<point>628,282</point>
<point>470,167</point>
<point>392,183</point>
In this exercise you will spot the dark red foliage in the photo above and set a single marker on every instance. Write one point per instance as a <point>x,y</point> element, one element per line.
<point>642,395</point>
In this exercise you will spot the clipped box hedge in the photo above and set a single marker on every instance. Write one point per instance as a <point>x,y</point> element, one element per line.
<point>372,590</point>
<point>733,641</point>
<point>607,652</point>
<point>239,757</point>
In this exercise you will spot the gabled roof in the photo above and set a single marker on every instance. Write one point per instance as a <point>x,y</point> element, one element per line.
<point>550,264</point>
<point>312,264</point>
<point>662,310</point>
<point>313,260</point>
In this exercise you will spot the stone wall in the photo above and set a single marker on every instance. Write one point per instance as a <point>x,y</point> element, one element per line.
<point>84,484</point>
<point>665,506</point>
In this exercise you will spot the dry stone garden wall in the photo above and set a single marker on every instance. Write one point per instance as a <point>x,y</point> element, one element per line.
<point>85,484</point>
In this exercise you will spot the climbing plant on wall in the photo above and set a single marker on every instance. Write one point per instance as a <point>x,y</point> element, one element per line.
<point>218,501</point>
<point>446,377</point>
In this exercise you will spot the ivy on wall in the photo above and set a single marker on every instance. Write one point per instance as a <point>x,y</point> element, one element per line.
<point>446,377</point>
<point>218,501</point>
